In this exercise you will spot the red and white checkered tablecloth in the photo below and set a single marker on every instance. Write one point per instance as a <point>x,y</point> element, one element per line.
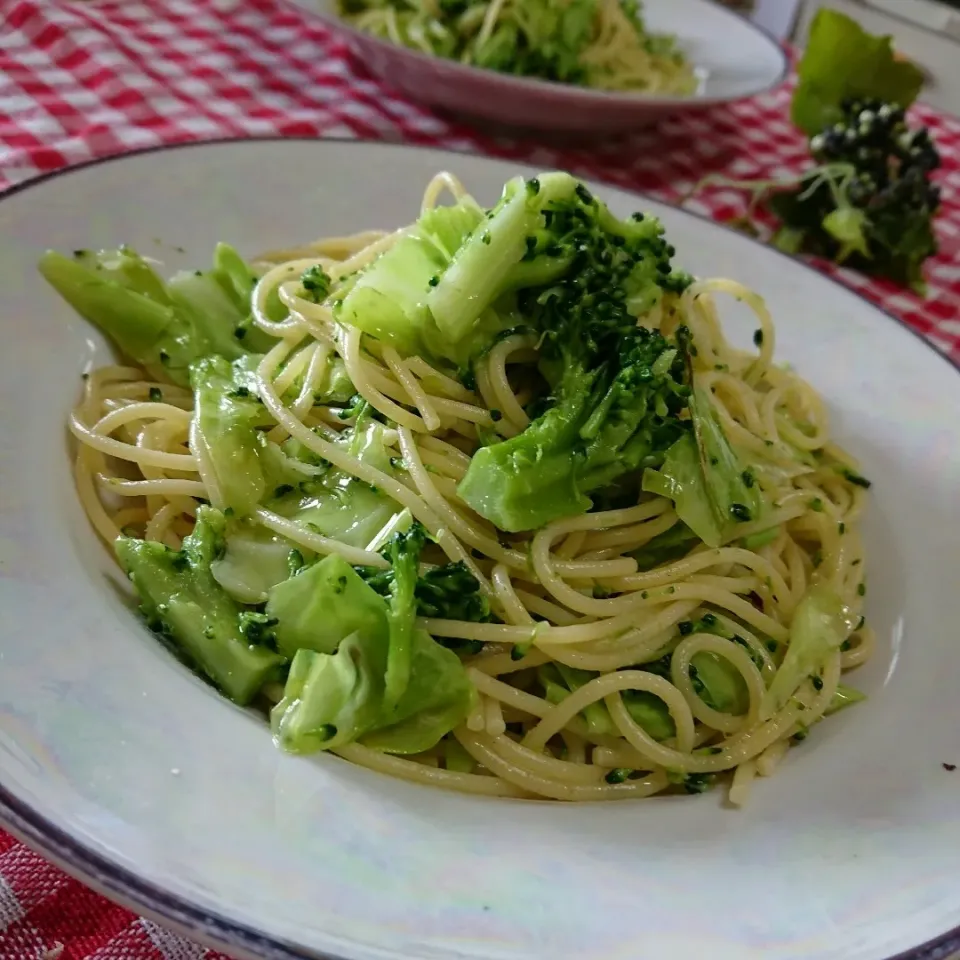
<point>86,79</point>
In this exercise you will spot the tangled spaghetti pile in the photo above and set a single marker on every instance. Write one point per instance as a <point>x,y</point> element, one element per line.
<point>488,502</point>
<point>592,43</point>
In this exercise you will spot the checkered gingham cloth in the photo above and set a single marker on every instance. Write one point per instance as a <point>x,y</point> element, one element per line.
<point>87,79</point>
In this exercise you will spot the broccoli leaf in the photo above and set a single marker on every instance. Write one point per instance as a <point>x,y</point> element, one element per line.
<point>681,480</point>
<point>731,487</point>
<point>323,605</point>
<point>335,504</point>
<point>335,386</point>
<point>164,327</point>
<point>719,684</point>
<point>901,239</point>
<point>844,697</point>
<point>710,486</point>
<point>757,540</point>
<point>715,680</point>
<point>225,420</point>
<point>330,699</point>
<point>438,698</point>
<point>650,713</point>
<point>342,686</point>
<point>559,681</point>
<point>820,624</point>
<point>181,599</point>
<point>253,562</point>
<point>228,415</point>
<point>843,61</point>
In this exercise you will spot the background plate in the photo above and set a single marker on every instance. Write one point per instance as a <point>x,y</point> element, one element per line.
<point>734,58</point>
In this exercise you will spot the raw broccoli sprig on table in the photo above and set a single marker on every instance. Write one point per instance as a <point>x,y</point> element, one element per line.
<point>871,203</point>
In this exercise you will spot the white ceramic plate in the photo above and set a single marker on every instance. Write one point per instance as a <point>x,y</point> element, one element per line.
<point>733,57</point>
<point>118,763</point>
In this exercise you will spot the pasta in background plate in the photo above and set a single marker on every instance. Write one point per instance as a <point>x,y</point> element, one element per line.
<point>487,502</point>
<point>591,43</point>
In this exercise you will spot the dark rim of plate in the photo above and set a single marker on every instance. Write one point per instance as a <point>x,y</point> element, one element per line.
<point>125,887</point>
<point>337,24</point>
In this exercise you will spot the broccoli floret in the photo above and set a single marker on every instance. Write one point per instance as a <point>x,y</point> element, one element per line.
<point>181,600</point>
<point>447,289</point>
<point>666,547</point>
<point>451,592</point>
<point>164,327</point>
<point>513,248</point>
<point>871,202</point>
<point>448,592</point>
<point>315,283</point>
<point>257,627</point>
<point>616,389</point>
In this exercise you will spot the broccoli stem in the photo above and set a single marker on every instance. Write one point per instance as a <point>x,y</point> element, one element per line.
<point>180,598</point>
<point>530,479</point>
<point>491,261</point>
<point>404,554</point>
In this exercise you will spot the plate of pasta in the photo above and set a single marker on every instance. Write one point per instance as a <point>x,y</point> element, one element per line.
<point>470,561</point>
<point>563,66</point>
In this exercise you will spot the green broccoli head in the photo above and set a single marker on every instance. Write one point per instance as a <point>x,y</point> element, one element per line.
<point>616,389</point>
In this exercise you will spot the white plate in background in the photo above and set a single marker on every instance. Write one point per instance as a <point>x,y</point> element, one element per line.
<point>734,58</point>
